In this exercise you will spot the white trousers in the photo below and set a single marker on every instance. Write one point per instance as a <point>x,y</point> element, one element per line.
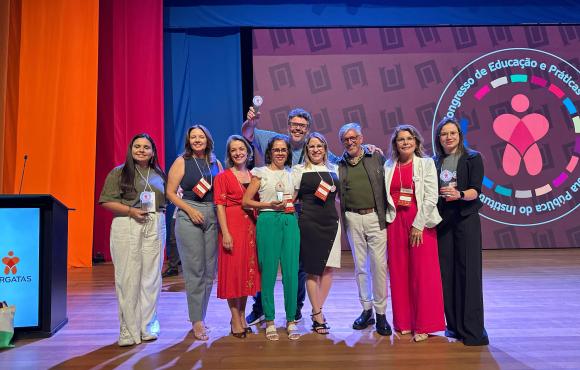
<point>136,250</point>
<point>369,251</point>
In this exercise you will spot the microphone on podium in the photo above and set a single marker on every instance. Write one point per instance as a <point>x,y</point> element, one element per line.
<point>22,175</point>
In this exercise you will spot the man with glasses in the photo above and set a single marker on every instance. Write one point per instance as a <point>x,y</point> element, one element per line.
<point>363,204</point>
<point>298,128</point>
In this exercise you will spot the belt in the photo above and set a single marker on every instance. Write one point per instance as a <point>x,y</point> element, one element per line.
<point>362,211</point>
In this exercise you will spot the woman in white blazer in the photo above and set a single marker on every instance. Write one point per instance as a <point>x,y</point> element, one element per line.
<point>412,193</point>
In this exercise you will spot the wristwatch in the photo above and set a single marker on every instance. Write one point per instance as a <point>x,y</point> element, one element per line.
<point>461,195</point>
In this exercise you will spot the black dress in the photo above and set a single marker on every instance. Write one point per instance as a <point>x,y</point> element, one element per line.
<point>318,222</point>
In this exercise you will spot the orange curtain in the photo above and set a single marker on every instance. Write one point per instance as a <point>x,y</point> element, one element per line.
<point>56,104</point>
<point>9,62</point>
<point>4,34</point>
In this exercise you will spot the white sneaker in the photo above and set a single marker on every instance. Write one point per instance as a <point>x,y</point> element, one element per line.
<point>147,337</point>
<point>125,338</point>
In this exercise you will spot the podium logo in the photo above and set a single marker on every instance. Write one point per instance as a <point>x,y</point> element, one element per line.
<point>10,263</point>
<point>10,270</point>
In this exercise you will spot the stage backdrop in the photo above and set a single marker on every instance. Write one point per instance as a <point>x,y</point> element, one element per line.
<point>515,89</point>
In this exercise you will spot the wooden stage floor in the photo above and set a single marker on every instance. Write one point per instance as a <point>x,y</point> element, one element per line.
<point>532,308</point>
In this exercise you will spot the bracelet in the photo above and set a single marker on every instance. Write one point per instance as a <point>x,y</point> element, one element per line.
<point>129,211</point>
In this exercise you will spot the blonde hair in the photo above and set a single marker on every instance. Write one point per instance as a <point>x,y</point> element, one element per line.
<point>319,136</point>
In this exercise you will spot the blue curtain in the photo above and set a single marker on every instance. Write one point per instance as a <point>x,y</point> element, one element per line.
<point>368,13</point>
<point>202,85</point>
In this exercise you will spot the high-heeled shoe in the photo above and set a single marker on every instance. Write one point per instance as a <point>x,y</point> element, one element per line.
<point>240,335</point>
<point>319,327</point>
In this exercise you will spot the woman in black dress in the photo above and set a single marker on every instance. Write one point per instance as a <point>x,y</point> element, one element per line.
<point>317,181</point>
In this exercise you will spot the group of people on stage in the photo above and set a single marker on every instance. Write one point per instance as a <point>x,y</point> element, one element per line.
<point>244,224</point>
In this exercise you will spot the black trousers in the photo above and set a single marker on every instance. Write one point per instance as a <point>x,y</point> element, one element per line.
<point>171,248</point>
<point>459,240</point>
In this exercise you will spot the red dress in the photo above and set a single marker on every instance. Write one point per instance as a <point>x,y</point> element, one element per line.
<point>238,274</point>
<point>416,291</point>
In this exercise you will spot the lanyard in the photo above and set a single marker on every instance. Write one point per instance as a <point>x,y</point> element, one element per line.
<point>329,174</point>
<point>401,177</point>
<point>281,185</point>
<point>208,170</point>
<point>145,179</point>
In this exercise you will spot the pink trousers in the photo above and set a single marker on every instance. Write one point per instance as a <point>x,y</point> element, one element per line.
<point>416,290</point>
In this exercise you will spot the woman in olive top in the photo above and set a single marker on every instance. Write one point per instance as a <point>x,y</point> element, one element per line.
<point>135,193</point>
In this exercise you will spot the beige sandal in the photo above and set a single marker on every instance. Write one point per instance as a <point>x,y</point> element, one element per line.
<point>271,333</point>
<point>292,330</point>
<point>200,334</point>
<point>420,337</point>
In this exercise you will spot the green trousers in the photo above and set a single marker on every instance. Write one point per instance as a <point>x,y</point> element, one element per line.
<point>278,239</point>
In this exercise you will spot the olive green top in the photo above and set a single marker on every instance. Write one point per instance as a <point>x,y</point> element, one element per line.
<point>112,189</point>
<point>358,191</point>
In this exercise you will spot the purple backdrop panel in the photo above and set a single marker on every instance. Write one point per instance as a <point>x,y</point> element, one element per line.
<point>515,89</point>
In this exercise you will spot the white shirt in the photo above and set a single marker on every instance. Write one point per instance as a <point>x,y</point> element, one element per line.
<point>268,181</point>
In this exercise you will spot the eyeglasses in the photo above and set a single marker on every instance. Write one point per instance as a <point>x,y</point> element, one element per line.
<point>351,139</point>
<point>302,126</point>
<point>450,134</point>
<point>280,150</point>
<point>315,147</point>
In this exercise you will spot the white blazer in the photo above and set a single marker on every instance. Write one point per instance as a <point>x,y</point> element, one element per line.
<point>426,192</point>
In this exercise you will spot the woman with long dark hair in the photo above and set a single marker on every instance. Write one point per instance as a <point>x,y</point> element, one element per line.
<point>196,227</point>
<point>460,171</point>
<point>135,193</point>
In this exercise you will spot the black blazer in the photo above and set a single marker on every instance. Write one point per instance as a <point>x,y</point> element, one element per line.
<point>469,176</point>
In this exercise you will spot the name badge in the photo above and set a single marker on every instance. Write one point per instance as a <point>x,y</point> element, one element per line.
<point>201,188</point>
<point>147,199</point>
<point>323,189</point>
<point>406,197</point>
<point>289,205</point>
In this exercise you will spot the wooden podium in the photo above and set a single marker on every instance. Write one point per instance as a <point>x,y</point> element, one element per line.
<point>47,279</point>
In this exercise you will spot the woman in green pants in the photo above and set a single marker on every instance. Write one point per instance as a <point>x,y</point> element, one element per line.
<point>277,233</point>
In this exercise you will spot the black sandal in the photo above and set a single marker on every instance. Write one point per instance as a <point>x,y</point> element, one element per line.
<point>240,335</point>
<point>319,328</point>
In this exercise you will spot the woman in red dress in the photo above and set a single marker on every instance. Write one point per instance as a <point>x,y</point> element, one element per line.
<point>238,273</point>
